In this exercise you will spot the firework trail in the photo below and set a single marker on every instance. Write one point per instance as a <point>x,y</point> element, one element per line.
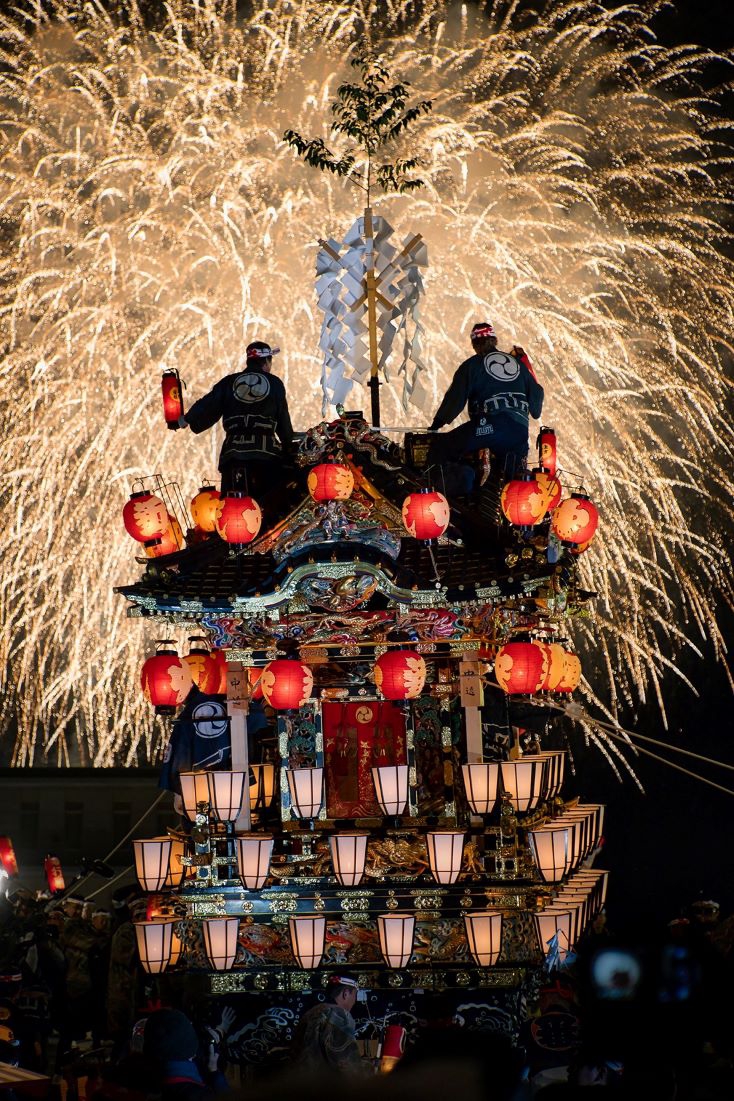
<point>150,215</point>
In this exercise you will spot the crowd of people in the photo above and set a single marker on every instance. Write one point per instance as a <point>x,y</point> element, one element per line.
<point>638,1021</point>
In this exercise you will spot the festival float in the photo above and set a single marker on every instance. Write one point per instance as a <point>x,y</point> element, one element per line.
<point>368,734</point>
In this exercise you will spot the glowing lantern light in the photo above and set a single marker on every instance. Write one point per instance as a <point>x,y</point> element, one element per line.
<point>194,790</point>
<point>348,856</point>
<point>554,929</point>
<point>547,450</point>
<point>306,787</point>
<point>152,858</point>
<point>391,787</point>
<point>220,941</point>
<point>176,870</point>
<point>262,786</point>
<point>221,659</point>
<point>523,502</point>
<point>171,541</point>
<point>484,936</point>
<point>172,397</point>
<point>400,674</point>
<point>331,482</point>
<point>176,948</point>
<point>518,668</point>
<point>553,665</point>
<point>166,679</point>
<point>576,519</point>
<point>550,488</point>
<point>571,675</point>
<point>481,782</point>
<point>226,794</point>
<point>426,514</point>
<point>525,781</point>
<point>445,852</point>
<point>551,852</point>
<point>204,666</point>
<point>145,517</point>
<point>54,874</point>
<point>254,852</point>
<point>7,856</point>
<point>238,519</point>
<point>204,507</point>
<point>396,938</point>
<point>155,944</point>
<point>308,935</point>
<point>286,683</point>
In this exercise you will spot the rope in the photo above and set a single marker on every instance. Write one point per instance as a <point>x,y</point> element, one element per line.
<point>109,883</point>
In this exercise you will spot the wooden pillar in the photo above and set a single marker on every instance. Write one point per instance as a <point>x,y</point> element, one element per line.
<point>472,699</point>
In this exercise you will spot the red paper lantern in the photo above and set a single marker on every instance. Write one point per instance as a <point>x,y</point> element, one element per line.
<point>571,675</point>
<point>554,665</point>
<point>576,519</point>
<point>171,541</point>
<point>54,874</point>
<point>286,683</point>
<point>205,668</point>
<point>400,674</point>
<point>166,680</point>
<point>547,450</point>
<point>550,487</point>
<point>7,856</point>
<point>204,508</point>
<point>426,515</point>
<point>524,502</point>
<point>255,678</point>
<point>220,658</point>
<point>172,397</point>
<point>145,517</point>
<point>331,482</point>
<point>519,667</point>
<point>238,519</point>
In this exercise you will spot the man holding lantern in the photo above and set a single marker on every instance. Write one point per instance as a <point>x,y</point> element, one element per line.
<point>253,408</point>
<point>501,391</point>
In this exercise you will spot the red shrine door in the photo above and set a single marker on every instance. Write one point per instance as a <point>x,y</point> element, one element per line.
<point>358,736</point>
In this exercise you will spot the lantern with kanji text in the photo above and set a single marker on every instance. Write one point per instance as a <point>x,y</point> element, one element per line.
<point>286,683</point>
<point>400,675</point>
<point>205,667</point>
<point>426,514</point>
<point>166,679</point>
<point>145,517</point>
<point>547,450</point>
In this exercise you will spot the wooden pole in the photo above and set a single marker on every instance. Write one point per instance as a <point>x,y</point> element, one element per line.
<point>371,288</point>
<point>237,707</point>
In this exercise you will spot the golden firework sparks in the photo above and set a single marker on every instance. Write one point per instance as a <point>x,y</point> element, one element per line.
<point>151,215</point>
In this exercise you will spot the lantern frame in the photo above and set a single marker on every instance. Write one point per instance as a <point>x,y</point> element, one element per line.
<point>226,791</point>
<point>152,861</point>
<point>524,781</point>
<point>154,940</point>
<point>254,854</point>
<point>262,791</point>
<point>483,930</point>
<point>308,940</point>
<point>551,851</point>
<point>349,856</point>
<point>220,941</point>
<point>306,787</point>
<point>397,934</point>
<point>194,790</point>
<point>550,922</point>
<point>391,788</point>
<point>482,785</point>
<point>445,854</point>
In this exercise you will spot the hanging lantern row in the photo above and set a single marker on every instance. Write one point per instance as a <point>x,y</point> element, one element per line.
<point>526,781</point>
<point>561,845</point>
<point>560,925</point>
<point>524,668</point>
<point>208,668</point>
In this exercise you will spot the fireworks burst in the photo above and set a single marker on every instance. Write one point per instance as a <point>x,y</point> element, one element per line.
<point>151,216</point>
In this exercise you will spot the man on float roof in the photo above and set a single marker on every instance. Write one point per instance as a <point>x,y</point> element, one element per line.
<point>253,408</point>
<point>501,392</point>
